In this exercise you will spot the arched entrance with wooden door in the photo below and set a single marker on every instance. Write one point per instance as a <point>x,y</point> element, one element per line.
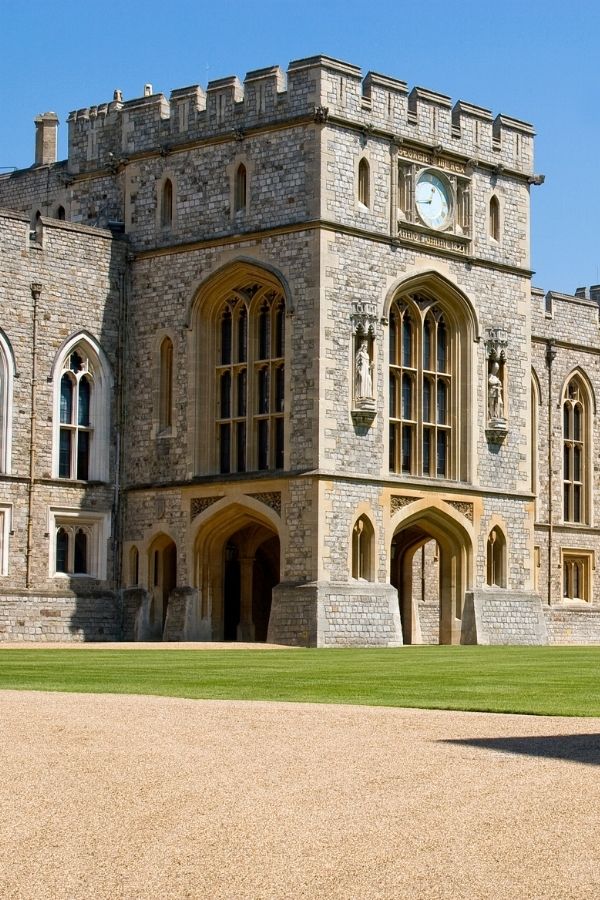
<point>431,562</point>
<point>162,572</point>
<point>237,553</point>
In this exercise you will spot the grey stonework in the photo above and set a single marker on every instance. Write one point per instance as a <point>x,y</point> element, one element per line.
<point>175,536</point>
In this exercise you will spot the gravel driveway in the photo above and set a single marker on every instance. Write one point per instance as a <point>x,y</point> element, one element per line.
<point>145,797</point>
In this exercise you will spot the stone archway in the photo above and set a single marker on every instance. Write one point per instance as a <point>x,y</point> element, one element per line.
<point>237,567</point>
<point>425,542</point>
<point>162,573</point>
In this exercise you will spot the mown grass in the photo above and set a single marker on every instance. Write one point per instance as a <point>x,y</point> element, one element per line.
<point>561,681</point>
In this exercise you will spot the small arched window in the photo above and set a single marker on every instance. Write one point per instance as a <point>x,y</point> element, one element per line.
<point>363,539</point>
<point>134,566</point>
<point>364,183</point>
<point>166,209</point>
<point>241,186</point>
<point>495,218</point>
<point>575,452</point>
<point>60,213</point>
<point>496,558</point>
<point>165,418</point>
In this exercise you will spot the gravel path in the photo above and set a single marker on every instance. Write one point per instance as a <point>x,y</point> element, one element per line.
<point>146,797</point>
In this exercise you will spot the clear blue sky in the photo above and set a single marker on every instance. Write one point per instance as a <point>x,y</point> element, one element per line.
<point>537,61</point>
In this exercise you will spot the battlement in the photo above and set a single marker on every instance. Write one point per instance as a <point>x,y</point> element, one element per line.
<point>319,86</point>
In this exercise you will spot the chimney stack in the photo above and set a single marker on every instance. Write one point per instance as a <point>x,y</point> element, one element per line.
<point>46,128</point>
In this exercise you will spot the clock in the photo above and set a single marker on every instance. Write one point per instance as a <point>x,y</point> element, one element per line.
<point>433,198</point>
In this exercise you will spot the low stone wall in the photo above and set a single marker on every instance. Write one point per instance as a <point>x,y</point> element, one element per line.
<point>359,615</point>
<point>573,626</point>
<point>60,618</point>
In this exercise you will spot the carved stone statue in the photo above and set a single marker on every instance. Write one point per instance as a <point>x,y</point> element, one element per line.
<point>363,375</point>
<point>495,401</point>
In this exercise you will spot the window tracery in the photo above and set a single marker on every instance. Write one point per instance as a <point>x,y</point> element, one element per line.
<point>421,388</point>
<point>250,380</point>
<point>575,452</point>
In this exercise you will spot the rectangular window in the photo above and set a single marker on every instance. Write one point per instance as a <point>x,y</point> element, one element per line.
<point>577,567</point>
<point>78,546</point>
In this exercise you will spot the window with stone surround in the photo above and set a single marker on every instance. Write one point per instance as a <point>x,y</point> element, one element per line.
<point>494,218</point>
<point>364,187</point>
<point>81,419</point>
<point>363,541</point>
<point>576,568</point>
<point>496,558</point>
<point>5,531</point>
<point>250,380</point>
<point>240,188</point>
<point>166,208</point>
<point>165,399</point>
<point>422,393</point>
<point>78,543</point>
<point>575,405</point>
<point>6,389</point>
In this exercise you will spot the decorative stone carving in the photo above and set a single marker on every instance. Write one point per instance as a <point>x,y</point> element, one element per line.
<point>199,504</point>
<point>399,502</point>
<point>464,508</point>
<point>364,318</point>
<point>321,114</point>
<point>496,347</point>
<point>364,321</point>
<point>269,498</point>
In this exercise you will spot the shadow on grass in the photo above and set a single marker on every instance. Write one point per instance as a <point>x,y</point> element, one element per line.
<point>581,748</point>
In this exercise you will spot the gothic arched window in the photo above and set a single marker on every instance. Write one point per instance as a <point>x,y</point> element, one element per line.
<point>575,406</point>
<point>165,417</point>
<point>241,186</point>
<point>424,393</point>
<point>494,219</point>
<point>249,380</point>
<point>82,398</point>
<point>496,558</point>
<point>6,384</point>
<point>363,183</point>
<point>166,209</point>
<point>363,556</point>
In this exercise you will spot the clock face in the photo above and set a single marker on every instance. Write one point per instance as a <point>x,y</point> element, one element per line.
<point>433,199</point>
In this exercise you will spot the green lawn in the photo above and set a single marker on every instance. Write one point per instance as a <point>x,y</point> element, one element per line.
<point>538,680</point>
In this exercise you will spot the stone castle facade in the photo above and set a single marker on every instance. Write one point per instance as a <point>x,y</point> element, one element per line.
<point>271,367</point>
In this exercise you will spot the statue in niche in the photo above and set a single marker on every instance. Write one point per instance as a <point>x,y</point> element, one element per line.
<point>364,372</point>
<point>495,401</point>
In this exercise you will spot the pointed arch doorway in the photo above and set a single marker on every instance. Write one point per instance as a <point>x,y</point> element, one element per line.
<point>237,567</point>
<point>431,560</point>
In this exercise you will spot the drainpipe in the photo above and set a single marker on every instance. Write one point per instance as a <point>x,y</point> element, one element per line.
<point>119,415</point>
<point>36,290</point>
<point>550,357</point>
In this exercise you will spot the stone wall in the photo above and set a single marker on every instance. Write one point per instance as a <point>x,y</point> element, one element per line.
<point>48,618</point>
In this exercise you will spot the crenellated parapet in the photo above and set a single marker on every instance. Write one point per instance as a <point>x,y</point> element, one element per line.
<point>318,89</point>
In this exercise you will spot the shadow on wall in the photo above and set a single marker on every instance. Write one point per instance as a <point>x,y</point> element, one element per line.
<point>581,748</point>
<point>96,617</point>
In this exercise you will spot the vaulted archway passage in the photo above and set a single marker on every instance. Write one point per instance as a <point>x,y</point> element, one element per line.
<point>431,556</point>
<point>237,567</point>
